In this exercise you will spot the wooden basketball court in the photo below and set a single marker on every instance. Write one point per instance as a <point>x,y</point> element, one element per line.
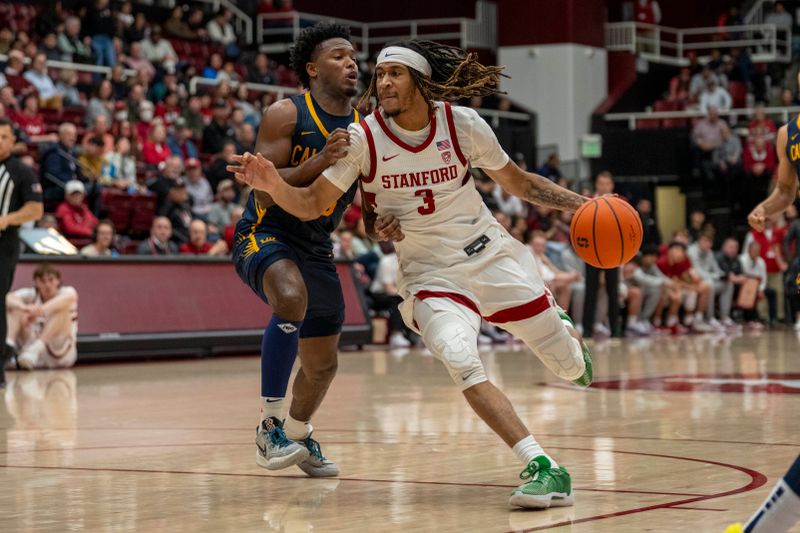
<point>679,434</point>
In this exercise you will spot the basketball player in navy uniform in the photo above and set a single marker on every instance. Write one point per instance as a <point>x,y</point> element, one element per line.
<point>781,510</point>
<point>20,202</point>
<point>288,262</point>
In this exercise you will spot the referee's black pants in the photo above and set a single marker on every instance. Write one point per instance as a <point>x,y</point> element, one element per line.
<point>9,254</point>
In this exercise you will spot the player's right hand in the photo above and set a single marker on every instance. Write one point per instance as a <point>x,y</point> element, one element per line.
<point>336,146</point>
<point>255,171</point>
<point>388,228</point>
<point>757,218</point>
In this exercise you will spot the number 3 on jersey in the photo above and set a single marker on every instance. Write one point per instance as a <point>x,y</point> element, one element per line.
<point>428,206</point>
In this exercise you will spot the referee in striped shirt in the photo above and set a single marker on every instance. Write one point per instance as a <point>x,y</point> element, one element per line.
<point>20,202</point>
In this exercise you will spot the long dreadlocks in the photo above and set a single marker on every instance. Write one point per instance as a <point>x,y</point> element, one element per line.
<point>455,73</point>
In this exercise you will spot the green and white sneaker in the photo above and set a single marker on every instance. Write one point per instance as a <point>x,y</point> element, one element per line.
<point>316,464</point>
<point>544,486</point>
<point>586,378</point>
<point>274,450</point>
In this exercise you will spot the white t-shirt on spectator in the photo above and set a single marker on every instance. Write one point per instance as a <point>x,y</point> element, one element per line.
<point>718,98</point>
<point>43,83</point>
<point>387,274</point>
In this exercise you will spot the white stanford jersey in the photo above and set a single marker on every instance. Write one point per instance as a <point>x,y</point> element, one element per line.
<point>30,296</point>
<point>427,186</point>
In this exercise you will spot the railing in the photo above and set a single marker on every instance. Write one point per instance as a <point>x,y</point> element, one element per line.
<point>243,24</point>
<point>80,67</point>
<point>283,29</point>
<point>755,15</point>
<point>783,112</point>
<point>767,42</point>
<point>279,90</point>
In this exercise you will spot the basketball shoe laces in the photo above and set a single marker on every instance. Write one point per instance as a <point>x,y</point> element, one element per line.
<point>313,447</point>
<point>536,472</point>
<point>278,438</point>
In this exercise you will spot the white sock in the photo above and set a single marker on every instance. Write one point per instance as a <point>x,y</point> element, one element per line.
<point>271,406</point>
<point>698,316</point>
<point>779,513</point>
<point>10,342</point>
<point>296,429</point>
<point>632,320</point>
<point>672,320</point>
<point>528,448</point>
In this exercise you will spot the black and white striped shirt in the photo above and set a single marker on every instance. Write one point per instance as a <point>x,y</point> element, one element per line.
<point>18,185</point>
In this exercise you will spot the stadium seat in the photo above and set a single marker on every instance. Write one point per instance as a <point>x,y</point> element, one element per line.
<point>143,212</point>
<point>738,92</point>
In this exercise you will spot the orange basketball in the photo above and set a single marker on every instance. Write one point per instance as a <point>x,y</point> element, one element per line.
<point>606,232</point>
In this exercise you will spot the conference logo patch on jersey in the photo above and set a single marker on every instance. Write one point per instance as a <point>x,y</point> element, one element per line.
<point>443,145</point>
<point>446,157</point>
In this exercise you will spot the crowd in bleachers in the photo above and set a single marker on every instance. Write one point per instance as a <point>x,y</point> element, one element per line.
<point>135,144</point>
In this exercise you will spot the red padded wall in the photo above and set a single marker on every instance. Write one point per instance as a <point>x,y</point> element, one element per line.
<point>161,297</point>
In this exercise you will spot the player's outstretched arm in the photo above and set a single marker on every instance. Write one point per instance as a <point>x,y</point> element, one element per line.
<point>785,190</point>
<point>306,203</point>
<point>274,141</point>
<point>535,189</point>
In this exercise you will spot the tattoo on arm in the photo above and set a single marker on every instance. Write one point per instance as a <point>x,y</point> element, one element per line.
<point>541,191</point>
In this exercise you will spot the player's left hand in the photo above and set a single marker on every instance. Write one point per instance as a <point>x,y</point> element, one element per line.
<point>3,222</point>
<point>757,218</point>
<point>255,171</point>
<point>388,228</point>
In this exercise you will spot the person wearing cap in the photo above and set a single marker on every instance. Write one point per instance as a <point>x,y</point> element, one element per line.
<point>218,130</point>
<point>412,158</point>
<point>180,141</point>
<point>75,219</point>
<point>160,185</point>
<point>91,160</point>
<point>178,210</point>
<point>219,215</point>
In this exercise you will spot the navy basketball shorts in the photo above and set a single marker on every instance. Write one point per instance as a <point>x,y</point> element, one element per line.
<point>325,311</point>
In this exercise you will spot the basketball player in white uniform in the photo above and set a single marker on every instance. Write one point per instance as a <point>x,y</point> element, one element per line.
<point>43,322</point>
<point>457,263</point>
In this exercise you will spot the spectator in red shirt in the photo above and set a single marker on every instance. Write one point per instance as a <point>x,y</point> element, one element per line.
<point>694,292</point>
<point>771,250</point>
<point>155,150</point>
<point>75,219</point>
<point>30,120</point>
<point>679,87</point>
<point>198,241</point>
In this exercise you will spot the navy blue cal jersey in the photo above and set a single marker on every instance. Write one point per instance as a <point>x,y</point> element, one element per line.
<point>309,137</point>
<point>793,143</point>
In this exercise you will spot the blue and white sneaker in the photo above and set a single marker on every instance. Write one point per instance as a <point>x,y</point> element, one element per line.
<point>316,464</point>
<point>274,450</point>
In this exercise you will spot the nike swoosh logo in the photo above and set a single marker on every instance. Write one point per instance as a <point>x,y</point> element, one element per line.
<point>261,449</point>
<point>307,132</point>
<point>273,401</point>
<point>390,55</point>
<point>795,136</point>
<point>390,157</point>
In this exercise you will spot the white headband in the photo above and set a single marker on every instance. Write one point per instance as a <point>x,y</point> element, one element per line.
<point>404,56</point>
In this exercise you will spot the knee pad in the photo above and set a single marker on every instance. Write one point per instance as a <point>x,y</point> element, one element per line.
<point>455,343</point>
<point>549,339</point>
